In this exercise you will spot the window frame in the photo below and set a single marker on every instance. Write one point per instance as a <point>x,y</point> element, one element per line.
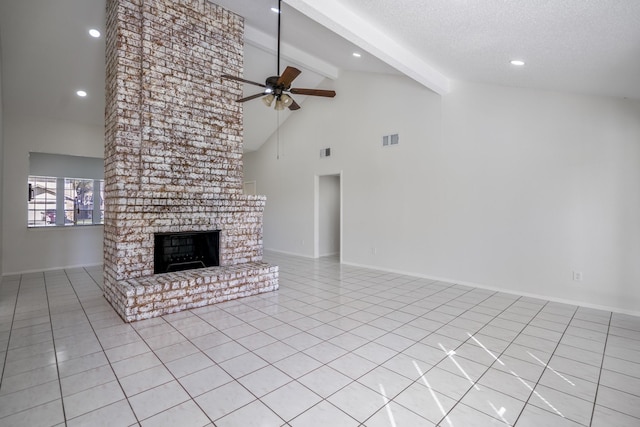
<point>63,194</point>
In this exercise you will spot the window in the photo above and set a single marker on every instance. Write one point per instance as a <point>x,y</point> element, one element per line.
<point>65,190</point>
<point>42,201</point>
<point>57,201</point>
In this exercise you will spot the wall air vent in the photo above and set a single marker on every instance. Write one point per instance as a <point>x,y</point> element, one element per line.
<point>393,139</point>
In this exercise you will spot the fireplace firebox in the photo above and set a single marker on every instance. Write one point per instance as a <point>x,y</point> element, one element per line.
<point>186,251</point>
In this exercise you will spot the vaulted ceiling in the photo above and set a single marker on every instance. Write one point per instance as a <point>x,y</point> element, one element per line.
<point>582,46</point>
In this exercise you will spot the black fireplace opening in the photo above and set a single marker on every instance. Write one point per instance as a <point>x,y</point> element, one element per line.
<point>186,251</point>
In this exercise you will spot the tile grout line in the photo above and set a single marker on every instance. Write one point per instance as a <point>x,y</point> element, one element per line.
<point>193,398</point>
<point>234,379</point>
<point>416,381</point>
<point>101,346</point>
<point>488,367</point>
<point>13,318</point>
<point>430,333</point>
<point>546,367</point>
<point>604,352</point>
<point>55,352</point>
<point>443,289</point>
<point>466,310</point>
<point>249,373</point>
<point>302,351</point>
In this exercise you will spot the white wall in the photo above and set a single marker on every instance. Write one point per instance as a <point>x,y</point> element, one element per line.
<point>503,187</point>
<point>44,248</point>
<point>1,160</point>
<point>329,215</point>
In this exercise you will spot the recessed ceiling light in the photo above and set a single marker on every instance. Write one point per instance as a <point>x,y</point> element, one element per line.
<point>94,33</point>
<point>356,54</point>
<point>517,62</point>
<point>275,10</point>
<point>81,93</point>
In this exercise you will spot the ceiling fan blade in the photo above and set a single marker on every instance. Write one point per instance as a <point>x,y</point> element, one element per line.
<point>294,105</point>
<point>313,92</point>
<point>249,98</point>
<point>289,74</point>
<point>239,79</point>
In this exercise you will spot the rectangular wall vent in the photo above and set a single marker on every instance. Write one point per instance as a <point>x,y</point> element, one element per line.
<point>325,152</point>
<point>393,139</point>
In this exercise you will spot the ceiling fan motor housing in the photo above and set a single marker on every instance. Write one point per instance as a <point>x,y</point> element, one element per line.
<point>272,83</point>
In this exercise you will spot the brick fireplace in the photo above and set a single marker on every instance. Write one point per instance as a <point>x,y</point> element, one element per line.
<point>173,157</point>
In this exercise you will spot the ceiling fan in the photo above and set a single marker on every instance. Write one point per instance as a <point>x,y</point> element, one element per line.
<point>277,88</point>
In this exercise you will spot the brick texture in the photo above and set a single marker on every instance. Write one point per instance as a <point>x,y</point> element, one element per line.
<point>173,149</point>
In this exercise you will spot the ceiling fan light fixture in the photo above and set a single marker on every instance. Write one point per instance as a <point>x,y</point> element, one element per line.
<point>286,100</point>
<point>275,87</point>
<point>268,100</point>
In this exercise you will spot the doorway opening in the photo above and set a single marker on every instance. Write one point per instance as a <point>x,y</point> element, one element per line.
<point>328,216</point>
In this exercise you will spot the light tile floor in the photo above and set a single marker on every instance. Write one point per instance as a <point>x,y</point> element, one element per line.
<point>335,346</point>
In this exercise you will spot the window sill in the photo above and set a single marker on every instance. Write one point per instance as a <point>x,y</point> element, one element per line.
<point>66,227</point>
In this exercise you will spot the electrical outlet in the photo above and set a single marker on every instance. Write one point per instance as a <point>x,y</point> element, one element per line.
<point>577,276</point>
<point>374,250</point>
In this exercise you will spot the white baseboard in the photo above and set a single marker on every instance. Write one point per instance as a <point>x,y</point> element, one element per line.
<point>302,255</point>
<point>498,289</point>
<point>330,254</point>
<point>288,253</point>
<point>42,270</point>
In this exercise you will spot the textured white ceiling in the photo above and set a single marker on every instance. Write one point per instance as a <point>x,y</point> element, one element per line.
<point>303,33</point>
<point>587,46</point>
